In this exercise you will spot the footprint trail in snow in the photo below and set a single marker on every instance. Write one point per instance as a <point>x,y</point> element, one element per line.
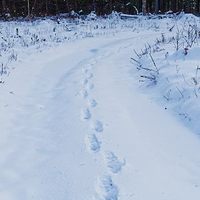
<point>97,126</point>
<point>84,94</point>
<point>93,143</point>
<point>92,103</point>
<point>85,114</point>
<point>106,189</point>
<point>112,162</point>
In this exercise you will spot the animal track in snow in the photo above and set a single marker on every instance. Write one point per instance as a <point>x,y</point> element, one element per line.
<point>90,87</point>
<point>85,114</point>
<point>92,103</point>
<point>112,162</point>
<point>97,126</point>
<point>99,57</point>
<point>84,81</point>
<point>90,75</point>
<point>91,66</point>
<point>84,94</point>
<point>93,143</point>
<point>106,189</point>
<point>105,54</point>
<point>93,61</point>
<point>84,70</point>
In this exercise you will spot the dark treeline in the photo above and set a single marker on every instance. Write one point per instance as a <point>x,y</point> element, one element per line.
<point>17,8</point>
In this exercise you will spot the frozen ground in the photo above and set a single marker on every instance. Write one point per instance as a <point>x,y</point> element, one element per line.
<point>77,125</point>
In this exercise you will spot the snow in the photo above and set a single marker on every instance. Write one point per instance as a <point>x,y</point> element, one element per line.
<point>78,123</point>
<point>113,164</point>
<point>93,143</point>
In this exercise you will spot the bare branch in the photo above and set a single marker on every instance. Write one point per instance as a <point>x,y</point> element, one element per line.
<point>154,63</point>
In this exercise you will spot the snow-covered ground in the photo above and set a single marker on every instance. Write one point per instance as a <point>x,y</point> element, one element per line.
<point>77,124</point>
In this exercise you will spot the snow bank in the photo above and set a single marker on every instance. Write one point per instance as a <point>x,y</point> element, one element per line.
<point>170,65</point>
<point>19,39</point>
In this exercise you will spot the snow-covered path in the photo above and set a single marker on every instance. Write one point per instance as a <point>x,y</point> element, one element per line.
<point>75,126</point>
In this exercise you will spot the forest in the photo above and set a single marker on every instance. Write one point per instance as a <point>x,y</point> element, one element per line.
<point>41,8</point>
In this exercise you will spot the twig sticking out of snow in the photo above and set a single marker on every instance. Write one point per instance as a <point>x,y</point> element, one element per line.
<point>154,63</point>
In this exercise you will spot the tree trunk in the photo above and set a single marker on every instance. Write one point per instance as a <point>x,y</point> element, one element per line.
<point>67,6</point>
<point>156,10</point>
<point>28,9</point>
<point>4,5</point>
<point>110,6</point>
<point>175,5</point>
<point>47,7</point>
<point>199,7</point>
<point>13,8</point>
<point>144,7</point>
<point>57,11</point>
<point>94,6</point>
<point>162,6</point>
